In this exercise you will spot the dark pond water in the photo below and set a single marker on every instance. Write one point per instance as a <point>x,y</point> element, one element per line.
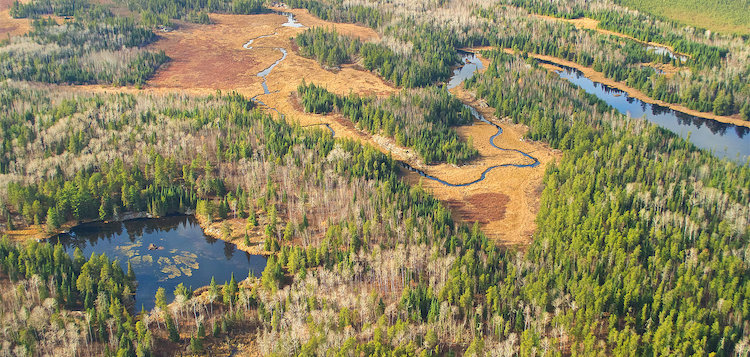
<point>187,255</point>
<point>724,140</point>
<point>471,63</point>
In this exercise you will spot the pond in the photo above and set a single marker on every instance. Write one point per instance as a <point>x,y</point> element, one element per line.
<point>185,255</point>
<point>471,63</point>
<point>723,140</point>
<point>291,21</point>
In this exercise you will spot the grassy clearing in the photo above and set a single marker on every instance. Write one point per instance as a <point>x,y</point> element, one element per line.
<point>727,16</point>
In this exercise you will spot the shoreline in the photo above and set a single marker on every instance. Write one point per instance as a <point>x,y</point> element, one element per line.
<point>587,23</point>
<point>212,229</point>
<point>595,76</point>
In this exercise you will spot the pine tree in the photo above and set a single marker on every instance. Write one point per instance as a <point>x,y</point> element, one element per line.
<point>196,344</point>
<point>53,219</point>
<point>174,335</point>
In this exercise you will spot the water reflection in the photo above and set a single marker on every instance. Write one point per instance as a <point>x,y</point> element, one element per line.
<point>472,63</point>
<point>724,140</point>
<point>184,255</point>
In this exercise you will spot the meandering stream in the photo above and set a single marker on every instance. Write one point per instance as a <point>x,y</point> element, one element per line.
<point>264,73</point>
<point>534,162</point>
<point>471,64</point>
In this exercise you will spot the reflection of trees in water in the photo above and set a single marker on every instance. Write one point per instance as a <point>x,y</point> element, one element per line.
<point>229,250</point>
<point>716,127</point>
<point>92,233</point>
<point>741,131</point>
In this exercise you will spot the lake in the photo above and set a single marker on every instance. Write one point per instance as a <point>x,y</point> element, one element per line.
<point>723,140</point>
<point>186,254</point>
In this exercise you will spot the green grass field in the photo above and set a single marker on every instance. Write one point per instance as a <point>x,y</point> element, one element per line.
<point>726,16</point>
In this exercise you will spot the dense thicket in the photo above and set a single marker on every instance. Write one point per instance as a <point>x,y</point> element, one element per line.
<point>105,49</point>
<point>327,47</point>
<point>429,60</point>
<point>50,282</point>
<point>420,119</point>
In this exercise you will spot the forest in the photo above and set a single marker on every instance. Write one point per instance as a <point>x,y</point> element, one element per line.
<point>722,93</point>
<point>95,47</point>
<point>426,62</point>
<point>641,245</point>
<point>704,53</point>
<point>162,12</point>
<point>419,119</point>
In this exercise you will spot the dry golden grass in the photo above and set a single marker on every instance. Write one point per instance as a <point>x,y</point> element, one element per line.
<point>12,27</point>
<point>507,201</point>
<point>206,58</point>
<point>211,57</point>
<point>238,227</point>
<point>635,93</point>
<point>33,232</point>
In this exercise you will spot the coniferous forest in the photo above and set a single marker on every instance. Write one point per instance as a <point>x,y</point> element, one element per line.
<point>640,243</point>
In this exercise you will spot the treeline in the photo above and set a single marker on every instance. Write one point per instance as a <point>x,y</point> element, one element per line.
<point>109,192</point>
<point>430,60</point>
<point>335,11</point>
<point>327,47</point>
<point>161,12</point>
<point>35,8</point>
<point>631,192</point>
<point>92,50</point>
<point>429,132</point>
<point>718,89</point>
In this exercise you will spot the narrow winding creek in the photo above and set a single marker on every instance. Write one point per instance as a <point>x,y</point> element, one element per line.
<point>532,163</point>
<point>163,252</point>
<point>471,64</point>
<point>264,73</point>
<point>723,140</point>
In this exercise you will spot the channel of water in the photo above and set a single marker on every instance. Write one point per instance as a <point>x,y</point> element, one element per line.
<point>722,139</point>
<point>472,63</point>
